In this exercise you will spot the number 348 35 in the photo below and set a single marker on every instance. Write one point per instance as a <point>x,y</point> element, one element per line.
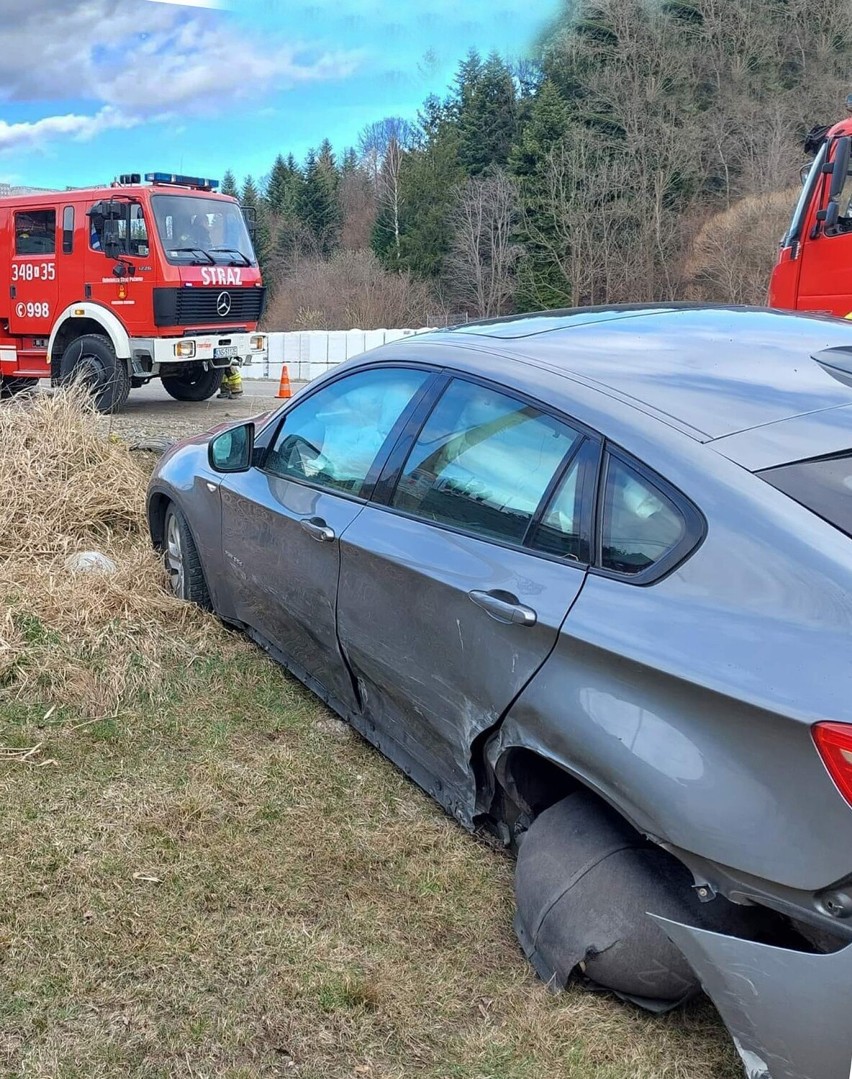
<point>33,271</point>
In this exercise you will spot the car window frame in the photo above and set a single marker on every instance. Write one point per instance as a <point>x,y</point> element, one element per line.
<point>587,439</point>
<point>590,448</point>
<point>272,429</point>
<point>695,523</point>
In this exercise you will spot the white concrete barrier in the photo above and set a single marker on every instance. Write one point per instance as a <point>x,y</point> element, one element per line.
<point>310,353</point>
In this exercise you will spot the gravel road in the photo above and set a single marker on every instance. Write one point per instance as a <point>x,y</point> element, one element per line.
<point>151,415</point>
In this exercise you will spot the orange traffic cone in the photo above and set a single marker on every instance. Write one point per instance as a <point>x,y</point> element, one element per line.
<point>284,385</point>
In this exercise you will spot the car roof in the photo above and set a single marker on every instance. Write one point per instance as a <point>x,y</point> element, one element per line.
<point>711,371</point>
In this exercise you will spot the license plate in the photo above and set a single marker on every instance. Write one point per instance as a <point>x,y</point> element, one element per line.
<point>225,353</point>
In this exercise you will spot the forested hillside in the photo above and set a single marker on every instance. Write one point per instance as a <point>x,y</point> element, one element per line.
<point>648,150</point>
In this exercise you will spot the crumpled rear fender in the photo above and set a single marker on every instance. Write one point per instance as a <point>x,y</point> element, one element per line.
<point>789,1013</point>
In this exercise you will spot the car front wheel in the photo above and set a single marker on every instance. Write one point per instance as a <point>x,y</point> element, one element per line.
<point>183,565</point>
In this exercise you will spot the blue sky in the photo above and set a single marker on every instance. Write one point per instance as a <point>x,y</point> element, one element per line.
<point>140,85</point>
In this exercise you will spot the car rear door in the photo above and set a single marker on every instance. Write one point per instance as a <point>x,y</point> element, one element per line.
<point>454,582</point>
<point>282,521</point>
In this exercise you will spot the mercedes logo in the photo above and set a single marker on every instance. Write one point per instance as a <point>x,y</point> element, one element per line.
<point>223,304</point>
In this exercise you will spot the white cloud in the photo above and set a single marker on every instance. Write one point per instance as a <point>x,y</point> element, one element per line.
<point>32,135</point>
<point>135,60</point>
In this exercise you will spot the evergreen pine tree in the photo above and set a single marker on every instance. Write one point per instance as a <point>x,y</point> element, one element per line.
<point>430,182</point>
<point>487,114</point>
<point>276,188</point>
<point>229,185</point>
<point>318,204</point>
<point>540,282</point>
<point>257,218</point>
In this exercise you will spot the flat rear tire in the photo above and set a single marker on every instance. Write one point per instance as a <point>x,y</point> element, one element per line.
<point>585,884</point>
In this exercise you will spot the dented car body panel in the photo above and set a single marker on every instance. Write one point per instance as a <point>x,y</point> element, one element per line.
<point>441,699</point>
<point>682,691</point>
<point>789,1013</point>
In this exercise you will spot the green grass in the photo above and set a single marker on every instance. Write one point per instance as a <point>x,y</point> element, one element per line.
<point>311,912</point>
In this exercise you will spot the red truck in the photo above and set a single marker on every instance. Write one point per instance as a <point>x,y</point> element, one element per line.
<point>814,267</point>
<point>122,284</point>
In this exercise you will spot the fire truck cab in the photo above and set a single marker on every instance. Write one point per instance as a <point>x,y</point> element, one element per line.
<point>118,285</point>
<point>814,267</point>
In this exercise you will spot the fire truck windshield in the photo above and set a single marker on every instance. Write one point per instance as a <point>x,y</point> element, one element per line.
<point>196,230</point>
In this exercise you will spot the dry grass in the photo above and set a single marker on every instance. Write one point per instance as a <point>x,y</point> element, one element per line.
<point>80,641</point>
<point>731,258</point>
<point>220,879</point>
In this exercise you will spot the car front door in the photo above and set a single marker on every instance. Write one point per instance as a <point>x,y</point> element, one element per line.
<point>282,521</point>
<point>453,591</point>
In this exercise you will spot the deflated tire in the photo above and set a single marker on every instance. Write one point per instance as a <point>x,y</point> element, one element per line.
<point>585,883</point>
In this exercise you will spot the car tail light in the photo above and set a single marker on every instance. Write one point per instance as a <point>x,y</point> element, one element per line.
<point>834,742</point>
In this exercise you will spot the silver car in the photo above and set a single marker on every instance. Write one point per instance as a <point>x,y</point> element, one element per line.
<point>586,577</point>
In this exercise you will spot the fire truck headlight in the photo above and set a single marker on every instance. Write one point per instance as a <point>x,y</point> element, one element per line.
<point>258,343</point>
<point>185,349</point>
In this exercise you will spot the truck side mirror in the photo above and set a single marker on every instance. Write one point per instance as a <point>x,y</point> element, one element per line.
<point>837,169</point>
<point>829,216</point>
<point>840,166</point>
<point>112,244</point>
<point>250,218</point>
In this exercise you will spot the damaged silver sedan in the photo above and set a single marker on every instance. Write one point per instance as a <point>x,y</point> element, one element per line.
<point>586,577</point>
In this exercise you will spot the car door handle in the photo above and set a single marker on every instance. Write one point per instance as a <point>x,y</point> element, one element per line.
<point>317,529</point>
<point>504,607</point>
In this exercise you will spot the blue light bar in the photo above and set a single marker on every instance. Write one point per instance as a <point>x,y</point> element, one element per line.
<point>181,181</point>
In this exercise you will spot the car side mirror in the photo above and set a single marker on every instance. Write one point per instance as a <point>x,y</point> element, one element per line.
<point>232,451</point>
<point>112,239</point>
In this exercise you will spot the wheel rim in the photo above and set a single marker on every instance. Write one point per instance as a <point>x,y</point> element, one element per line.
<point>174,557</point>
<point>89,372</point>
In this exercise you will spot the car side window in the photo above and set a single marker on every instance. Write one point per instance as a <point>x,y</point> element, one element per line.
<point>561,530</point>
<point>482,462</point>
<point>333,437</point>
<point>641,524</point>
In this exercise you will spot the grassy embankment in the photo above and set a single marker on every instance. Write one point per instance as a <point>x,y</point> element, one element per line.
<point>203,873</point>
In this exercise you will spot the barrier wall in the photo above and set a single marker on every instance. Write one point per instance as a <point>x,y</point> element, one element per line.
<point>310,353</point>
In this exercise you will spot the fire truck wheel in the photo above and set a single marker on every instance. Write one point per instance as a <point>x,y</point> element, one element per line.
<point>194,385</point>
<point>90,361</point>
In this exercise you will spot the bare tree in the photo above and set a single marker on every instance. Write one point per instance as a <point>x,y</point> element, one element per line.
<point>733,252</point>
<point>351,289</point>
<point>481,265</point>
<point>383,146</point>
<point>358,208</point>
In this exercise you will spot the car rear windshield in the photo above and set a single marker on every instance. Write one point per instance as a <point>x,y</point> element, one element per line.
<point>823,484</point>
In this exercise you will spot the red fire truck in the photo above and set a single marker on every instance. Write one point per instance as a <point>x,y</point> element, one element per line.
<point>814,268</point>
<point>118,285</point>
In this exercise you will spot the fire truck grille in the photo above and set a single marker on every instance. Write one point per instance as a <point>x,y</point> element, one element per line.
<point>192,306</point>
